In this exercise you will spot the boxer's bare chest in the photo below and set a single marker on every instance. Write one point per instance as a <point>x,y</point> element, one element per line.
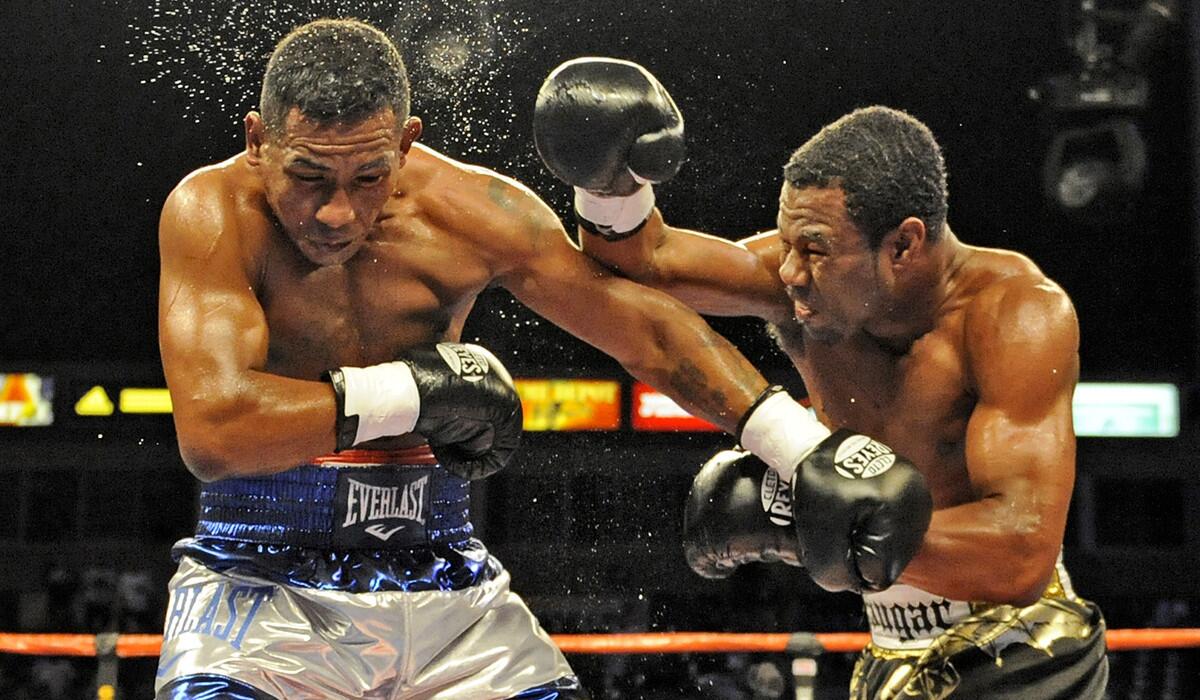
<point>411,284</point>
<point>918,402</point>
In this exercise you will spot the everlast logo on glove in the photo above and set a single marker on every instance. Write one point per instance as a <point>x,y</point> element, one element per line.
<point>776,498</point>
<point>385,509</point>
<point>471,366</point>
<point>860,457</point>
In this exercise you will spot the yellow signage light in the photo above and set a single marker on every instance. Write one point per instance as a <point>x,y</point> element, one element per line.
<point>94,403</point>
<point>138,400</point>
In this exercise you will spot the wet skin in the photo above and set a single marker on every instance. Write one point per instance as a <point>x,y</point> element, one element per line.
<point>330,245</point>
<point>963,359</point>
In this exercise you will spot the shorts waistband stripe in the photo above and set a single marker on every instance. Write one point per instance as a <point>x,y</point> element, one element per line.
<point>421,454</point>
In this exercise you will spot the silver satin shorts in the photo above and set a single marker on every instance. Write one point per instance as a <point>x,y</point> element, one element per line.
<point>476,643</point>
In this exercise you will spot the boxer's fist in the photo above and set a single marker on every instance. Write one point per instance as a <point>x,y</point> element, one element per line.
<point>458,396</point>
<point>738,512</point>
<point>597,120</point>
<point>861,512</point>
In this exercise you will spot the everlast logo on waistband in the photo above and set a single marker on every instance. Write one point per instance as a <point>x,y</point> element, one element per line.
<point>365,502</point>
<point>382,509</point>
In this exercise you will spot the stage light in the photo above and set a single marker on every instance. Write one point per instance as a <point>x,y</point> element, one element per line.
<point>1096,171</point>
<point>1094,168</point>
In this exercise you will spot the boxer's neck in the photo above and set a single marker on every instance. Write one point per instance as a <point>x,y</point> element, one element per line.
<point>924,298</point>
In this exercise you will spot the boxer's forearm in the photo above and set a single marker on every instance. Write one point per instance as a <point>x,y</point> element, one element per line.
<point>712,275</point>
<point>977,551</point>
<point>655,336</point>
<point>256,423</point>
<point>681,356</point>
<point>632,257</point>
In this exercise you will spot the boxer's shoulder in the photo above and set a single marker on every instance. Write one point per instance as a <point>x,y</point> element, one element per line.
<point>490,210</point>
<point>1027,298</point>
<point>1019,322</point>
<point>217,209</point>
<point>983,268</point>
<point>226,184</point>
<point>992,280</point>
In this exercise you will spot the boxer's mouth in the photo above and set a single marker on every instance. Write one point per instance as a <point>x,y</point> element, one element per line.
<point>327,246</point>
<point>800,307</point>
<point>802,311</point>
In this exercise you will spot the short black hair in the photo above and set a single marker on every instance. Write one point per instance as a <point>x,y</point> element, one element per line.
<point>885,161</point>
<point>334,71</point>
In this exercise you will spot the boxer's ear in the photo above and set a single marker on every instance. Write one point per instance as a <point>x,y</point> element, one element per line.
<point>256,136</point>
<point>906,241</point>
<point>409,133</point>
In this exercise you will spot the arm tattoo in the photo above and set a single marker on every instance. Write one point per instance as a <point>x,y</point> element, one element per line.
<point>688,380</point>
<point>525,214</point>
<point>499,194</point>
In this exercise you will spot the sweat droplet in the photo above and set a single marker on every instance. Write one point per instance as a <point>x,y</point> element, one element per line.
<point>215,51</point>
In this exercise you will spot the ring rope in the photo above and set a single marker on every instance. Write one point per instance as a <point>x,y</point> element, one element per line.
<point>800,643</point>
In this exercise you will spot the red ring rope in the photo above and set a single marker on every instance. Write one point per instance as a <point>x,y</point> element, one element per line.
<point>132,645</point>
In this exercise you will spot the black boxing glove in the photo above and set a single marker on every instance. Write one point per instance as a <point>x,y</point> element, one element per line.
<point>457,395</point>
<point>609,128</point>
<point>724,525</point>
<point>861,512</point>
<point>857,527</point>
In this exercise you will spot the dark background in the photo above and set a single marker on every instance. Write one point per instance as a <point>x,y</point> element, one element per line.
<point>108,104</point>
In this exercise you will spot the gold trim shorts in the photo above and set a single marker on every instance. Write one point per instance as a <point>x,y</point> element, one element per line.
<point>926,646</point>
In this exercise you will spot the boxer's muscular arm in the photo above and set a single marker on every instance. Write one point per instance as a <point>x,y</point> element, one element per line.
<point>1022,341</point>
<point>710,274</point>
<point>231,417</point>
<point>657,339</point>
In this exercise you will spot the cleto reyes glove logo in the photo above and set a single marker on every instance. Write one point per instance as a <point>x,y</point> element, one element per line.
<point>776,498</point>
<point>463,361</point>
<point>860,457</point>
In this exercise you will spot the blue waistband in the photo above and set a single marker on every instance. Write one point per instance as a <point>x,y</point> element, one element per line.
<point>433,568</point>
<point>381,506</point>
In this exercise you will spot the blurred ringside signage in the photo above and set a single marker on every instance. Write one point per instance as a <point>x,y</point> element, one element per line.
<point>570,404</point>
<point>26,399</point>
<point>654,410</point>
<point>1101,409</point>
<point>1126,410</point>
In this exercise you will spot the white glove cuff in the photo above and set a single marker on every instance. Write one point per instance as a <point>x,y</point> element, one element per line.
<point>384,397</point>
<point>781,433</point>
<point>621,214</point>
